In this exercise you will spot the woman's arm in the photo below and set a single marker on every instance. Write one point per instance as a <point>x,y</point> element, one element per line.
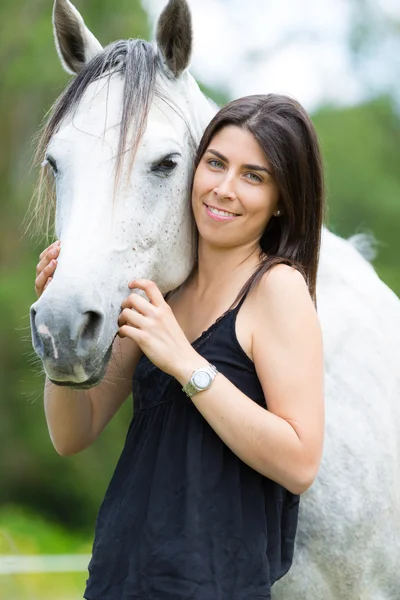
<point>284,443</point>
<point>76,418</point>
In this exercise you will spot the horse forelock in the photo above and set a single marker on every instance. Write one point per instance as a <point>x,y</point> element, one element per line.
<point>139,62</point>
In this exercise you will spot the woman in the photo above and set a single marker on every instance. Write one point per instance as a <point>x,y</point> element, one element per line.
<point>204,501</point>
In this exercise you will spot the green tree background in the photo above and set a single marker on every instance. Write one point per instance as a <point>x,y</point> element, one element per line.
<point>361,149</point>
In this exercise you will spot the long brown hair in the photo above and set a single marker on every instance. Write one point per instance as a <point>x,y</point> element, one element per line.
<point>289,141</point>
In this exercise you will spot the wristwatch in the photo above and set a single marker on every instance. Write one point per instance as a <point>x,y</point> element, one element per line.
<point>200,380</point>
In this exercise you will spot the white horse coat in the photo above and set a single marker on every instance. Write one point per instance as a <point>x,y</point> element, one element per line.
<point>348,542</point>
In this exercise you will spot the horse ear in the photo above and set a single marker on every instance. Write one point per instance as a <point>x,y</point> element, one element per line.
<point>75,44</point>
<point>174,35</point>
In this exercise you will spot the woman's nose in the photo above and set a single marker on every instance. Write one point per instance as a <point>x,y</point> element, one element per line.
<point>226,189</point>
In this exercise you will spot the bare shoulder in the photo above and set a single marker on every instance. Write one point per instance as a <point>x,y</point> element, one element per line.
<point>283,288</point>
<point>280,278</point>
<point>283,310</point>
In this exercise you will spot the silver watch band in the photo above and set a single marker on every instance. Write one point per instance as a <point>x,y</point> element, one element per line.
<point>191,388</point>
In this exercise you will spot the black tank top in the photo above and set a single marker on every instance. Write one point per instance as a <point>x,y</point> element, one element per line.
<point>183,517</point>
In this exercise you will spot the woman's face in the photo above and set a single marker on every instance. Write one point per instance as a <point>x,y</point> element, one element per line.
<point>234,194</point>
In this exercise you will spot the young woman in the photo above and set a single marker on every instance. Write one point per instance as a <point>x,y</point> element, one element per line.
<point>228,377</point>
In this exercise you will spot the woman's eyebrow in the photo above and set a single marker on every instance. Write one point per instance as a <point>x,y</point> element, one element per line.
<point>257,168</point>
<point>247,166</point>
<point>221,156</point>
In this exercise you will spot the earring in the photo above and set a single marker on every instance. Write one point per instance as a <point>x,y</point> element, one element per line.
<point>277,213</point>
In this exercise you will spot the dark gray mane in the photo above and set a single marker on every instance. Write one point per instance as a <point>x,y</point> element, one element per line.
<point>139,62</point>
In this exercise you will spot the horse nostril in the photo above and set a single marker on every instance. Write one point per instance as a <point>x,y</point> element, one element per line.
<point>37,341</point>
<point>91,327</point>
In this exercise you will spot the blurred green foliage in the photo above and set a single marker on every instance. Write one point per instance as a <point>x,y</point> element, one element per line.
<point>361,149</point>
<point>22,532</point>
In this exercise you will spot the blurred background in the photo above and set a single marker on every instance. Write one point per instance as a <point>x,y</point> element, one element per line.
<point>339,58</point>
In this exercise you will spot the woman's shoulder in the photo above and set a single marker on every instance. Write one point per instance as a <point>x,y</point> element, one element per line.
<point>280,284</point>
<point>282,274</point>
<point>265,304</point>
<point>281,307</point>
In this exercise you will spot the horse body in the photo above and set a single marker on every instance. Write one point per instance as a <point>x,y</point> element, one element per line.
<point>348,544</point>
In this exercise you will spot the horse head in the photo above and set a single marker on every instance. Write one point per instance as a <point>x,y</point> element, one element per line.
<point>119,145</point>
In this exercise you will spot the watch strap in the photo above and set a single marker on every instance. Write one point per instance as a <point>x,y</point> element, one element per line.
<point>191,389</point>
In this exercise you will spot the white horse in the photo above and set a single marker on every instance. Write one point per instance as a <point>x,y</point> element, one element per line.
<point>139,96</point>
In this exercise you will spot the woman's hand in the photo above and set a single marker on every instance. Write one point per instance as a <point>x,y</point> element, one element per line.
<point>46,266</point>
<point>152,325</point>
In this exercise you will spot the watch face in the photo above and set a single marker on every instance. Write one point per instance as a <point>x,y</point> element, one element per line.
<point>202,379</point>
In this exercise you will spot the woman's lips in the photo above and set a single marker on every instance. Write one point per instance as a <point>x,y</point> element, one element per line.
<point>220,217</point>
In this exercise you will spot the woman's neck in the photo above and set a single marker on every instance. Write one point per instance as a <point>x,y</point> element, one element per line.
<point>220,267</point>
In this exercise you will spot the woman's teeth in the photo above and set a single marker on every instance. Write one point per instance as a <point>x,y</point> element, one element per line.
<point>222,213</point>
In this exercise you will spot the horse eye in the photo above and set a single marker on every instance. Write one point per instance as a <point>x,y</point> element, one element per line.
<point>53,164</point>
<point>167,164</point>
<point>164,167</point>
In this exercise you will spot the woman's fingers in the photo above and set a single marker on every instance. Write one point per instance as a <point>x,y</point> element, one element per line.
<point>47,282</point>
<point>46,267</point>
<point>130,317</point>
<point>139,303</point>
<point>52,246</point>
<point>41,279</point>
<point>151,290</point>
<point>45,258</point>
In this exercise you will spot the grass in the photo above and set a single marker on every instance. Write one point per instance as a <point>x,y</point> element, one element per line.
<point>22,532</point>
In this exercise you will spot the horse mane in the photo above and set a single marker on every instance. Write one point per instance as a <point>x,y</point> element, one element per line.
<point>136,59</point>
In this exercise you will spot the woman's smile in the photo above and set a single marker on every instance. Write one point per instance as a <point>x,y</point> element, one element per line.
<point>219,214</point>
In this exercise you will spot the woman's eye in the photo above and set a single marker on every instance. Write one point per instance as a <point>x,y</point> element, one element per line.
<point>217,164</point>
<point>165,167</point>
<point>253,177</point>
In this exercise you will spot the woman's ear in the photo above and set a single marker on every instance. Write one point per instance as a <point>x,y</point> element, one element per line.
<point>75,44</point>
